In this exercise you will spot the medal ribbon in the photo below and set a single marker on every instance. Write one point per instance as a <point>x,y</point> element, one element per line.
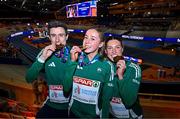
<point>81,62</point>
<point>63,55</point>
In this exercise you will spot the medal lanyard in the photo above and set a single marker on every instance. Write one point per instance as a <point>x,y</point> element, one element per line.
<point>81,62</point>
<point>64,52</point>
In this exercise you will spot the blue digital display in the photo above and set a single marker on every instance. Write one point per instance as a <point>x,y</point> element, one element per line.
<point>141,38</point>
<point>84,9</point>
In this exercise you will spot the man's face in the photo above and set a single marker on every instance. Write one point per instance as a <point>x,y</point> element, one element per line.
<point>58,36</point>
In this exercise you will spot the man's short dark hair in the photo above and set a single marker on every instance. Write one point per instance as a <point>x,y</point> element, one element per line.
<point>56,23</point>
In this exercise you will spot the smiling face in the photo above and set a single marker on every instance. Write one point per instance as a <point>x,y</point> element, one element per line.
<point>58,36</point>
<point>92,41</point>
<point>113,48</point>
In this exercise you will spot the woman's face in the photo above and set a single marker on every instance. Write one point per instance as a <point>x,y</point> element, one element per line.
<point>113,49</point>
<point>58,36</point>
<point>92,41</point>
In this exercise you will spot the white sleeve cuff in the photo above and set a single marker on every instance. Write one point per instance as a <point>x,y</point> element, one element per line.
<point>40,60</point>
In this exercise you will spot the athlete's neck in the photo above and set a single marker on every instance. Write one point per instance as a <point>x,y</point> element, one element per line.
<point>92,55</point>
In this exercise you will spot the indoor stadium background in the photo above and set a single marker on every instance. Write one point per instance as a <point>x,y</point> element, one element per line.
<point>150,31</point>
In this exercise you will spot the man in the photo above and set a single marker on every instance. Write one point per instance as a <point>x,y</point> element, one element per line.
<point>52,59</point>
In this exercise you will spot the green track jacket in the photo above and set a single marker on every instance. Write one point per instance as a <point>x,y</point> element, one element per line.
<point>54,76</point>
<point>91,90</point>
<point>125,102</point>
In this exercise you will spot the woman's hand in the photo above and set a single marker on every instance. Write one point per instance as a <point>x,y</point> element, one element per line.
<point>121,66</point>
<point>74,53</point>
